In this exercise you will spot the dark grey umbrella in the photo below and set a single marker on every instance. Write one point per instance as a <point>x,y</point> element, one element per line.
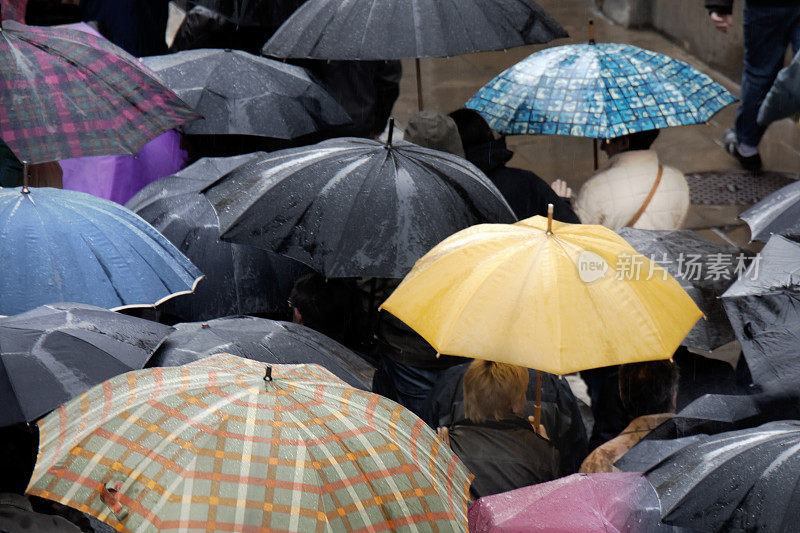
<point>262,340</point>
<point>764,309</point>
<point>746,480</point>
<point>239,279</point>
<point>354,207</point>
<point>239,93</point>
<point>778,213</point>
<point>678,252</point>
<point>55,352</point>
<point>400,29</point>
<point>259,13</point>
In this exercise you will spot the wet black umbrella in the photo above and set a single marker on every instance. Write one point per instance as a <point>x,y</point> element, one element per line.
<point>259,13</point>
<point>55,352</point>
<point>239,93</point>
<point>746,480</point>
<point>764,309</point>
<point>354,207</point>
<point>268,341</point>
<point>239,279</point>
<point>401,29</point>
<point>703,268</point>
<point>777,213</point>
<point>561,415</point>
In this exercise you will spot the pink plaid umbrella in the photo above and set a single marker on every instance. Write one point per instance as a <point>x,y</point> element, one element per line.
<point>617,502</point>
<point>69,94</point>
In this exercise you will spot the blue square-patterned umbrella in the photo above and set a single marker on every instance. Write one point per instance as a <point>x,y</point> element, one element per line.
<point>600,91</point>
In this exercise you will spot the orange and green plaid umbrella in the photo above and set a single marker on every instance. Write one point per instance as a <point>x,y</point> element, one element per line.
<point>217,445</point>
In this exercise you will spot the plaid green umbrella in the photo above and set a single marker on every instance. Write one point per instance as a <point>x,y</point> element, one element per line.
<point>67,94</point>
<point>227,444</point>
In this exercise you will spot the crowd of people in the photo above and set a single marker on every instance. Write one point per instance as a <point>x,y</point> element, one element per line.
<point>481,409</point>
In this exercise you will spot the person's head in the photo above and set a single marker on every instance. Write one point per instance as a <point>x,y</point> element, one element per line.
<point>642,140</point>
<point>492,391</point>
<point>472,128</point>
<point>648,388</point>
<point>327,306</point>
<point>435,130</point>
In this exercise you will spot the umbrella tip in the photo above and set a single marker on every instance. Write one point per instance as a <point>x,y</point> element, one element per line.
<point>268,374</point>
<point>391,133</point>
<point>549,219</point>
<point>591,32</point>
<point>25,189</point>
<point>204,325</point>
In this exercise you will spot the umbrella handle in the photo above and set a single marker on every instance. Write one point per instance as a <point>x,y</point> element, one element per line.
<point>537,407</point>
<point>109,496</point>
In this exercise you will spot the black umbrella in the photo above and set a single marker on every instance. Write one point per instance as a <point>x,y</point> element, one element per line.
<point>239,279</point>
<point>401,29</point>
<point>55,352</point>
<point>262,340</point>
<point>764,309</point>
<point>354,207</point>
<point>561,415</point>
<point>239,93</point>
<point>777,213</point>
<point>258,13</point>
<point>746,480</point>
<point>703,268</point>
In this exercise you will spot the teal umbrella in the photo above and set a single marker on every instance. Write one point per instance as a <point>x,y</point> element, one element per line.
<point>601,91</point>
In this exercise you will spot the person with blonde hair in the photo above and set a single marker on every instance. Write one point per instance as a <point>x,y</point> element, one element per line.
<point>494,441</point>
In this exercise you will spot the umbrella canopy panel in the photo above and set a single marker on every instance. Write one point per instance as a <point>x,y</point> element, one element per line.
<point>70,94</point>
<point>62,246</point>
<point>703,268</point>
<point>53,353</point>
<point>400,29</point>
<point>239,279</point>
<point>239,93</point>
<point>262,340</point>
<point>219,445</point>
<point>354,207</point>
<point>600,90</point>
<point>746,480</point>
<point>778,213</point>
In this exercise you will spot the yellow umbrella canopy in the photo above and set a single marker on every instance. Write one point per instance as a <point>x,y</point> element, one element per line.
<point>572,298</point>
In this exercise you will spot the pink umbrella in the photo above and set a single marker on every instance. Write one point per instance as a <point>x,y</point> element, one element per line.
<point>615,502</point>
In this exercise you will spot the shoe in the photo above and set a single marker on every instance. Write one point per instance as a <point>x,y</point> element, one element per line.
<point>751,163</point>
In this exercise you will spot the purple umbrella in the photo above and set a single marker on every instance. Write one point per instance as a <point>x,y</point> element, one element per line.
<point>620,501</point>
<point>119,178</point>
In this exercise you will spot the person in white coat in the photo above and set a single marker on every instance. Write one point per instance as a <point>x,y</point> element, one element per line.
<point>634,190</point>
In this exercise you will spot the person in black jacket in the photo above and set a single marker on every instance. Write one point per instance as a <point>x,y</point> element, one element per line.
<point>137,26</point>
<point>561,415</point>
<point>526,193</point>
<point>494,442</point>
<point>769,27</point>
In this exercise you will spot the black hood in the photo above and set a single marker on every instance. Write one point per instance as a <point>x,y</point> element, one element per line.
<point>489,156</point>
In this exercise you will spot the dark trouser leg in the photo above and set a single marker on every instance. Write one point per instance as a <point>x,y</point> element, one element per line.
<point>767,33</point>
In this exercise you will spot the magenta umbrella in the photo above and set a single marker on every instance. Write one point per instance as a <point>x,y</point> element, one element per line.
<point>620,501</point>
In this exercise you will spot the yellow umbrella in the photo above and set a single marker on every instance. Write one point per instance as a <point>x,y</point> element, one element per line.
<point>558,298</point>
